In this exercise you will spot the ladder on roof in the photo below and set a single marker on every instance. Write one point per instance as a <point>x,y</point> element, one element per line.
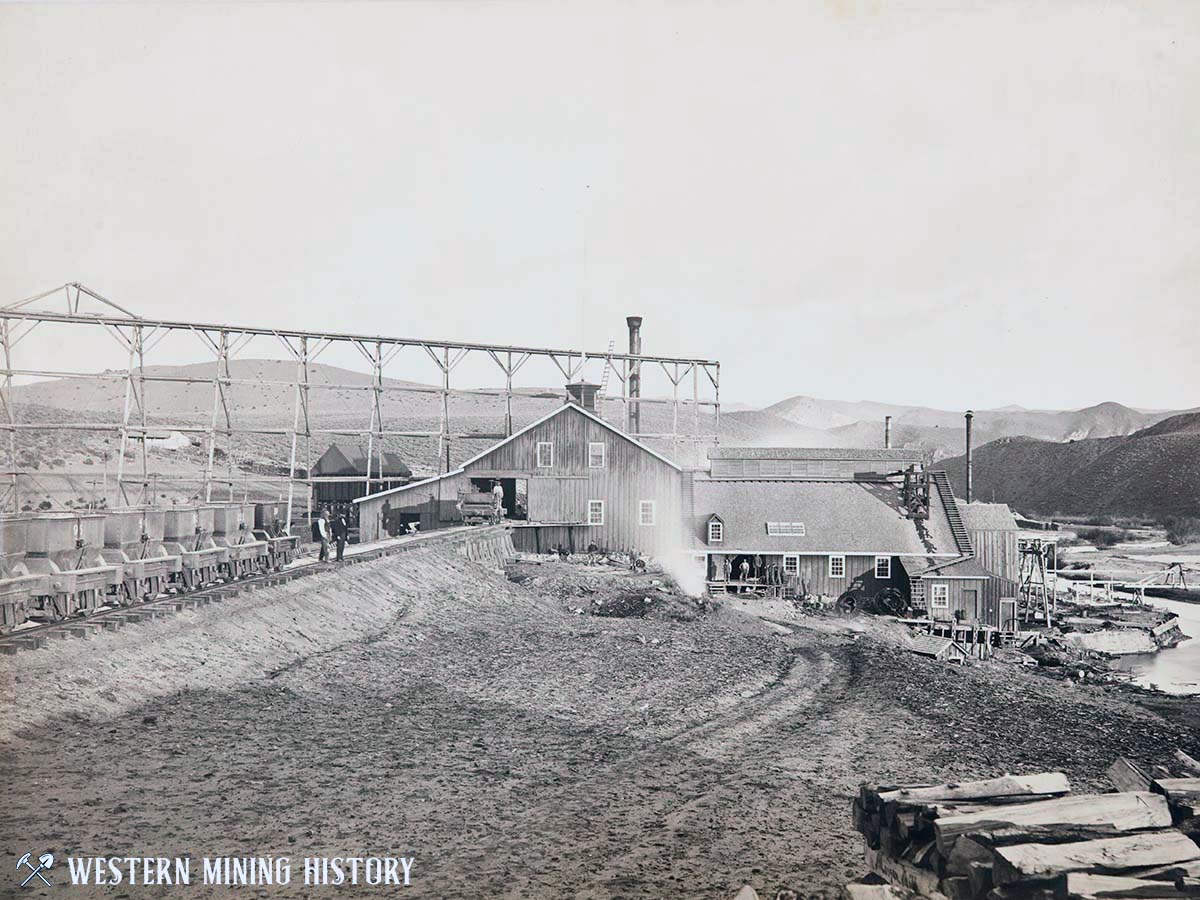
<point>952,514</point>
<point>607,367</point>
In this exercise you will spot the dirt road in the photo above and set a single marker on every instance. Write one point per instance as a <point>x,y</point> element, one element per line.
<point>514,749</point>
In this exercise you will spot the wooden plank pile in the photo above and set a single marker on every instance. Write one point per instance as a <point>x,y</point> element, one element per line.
<point>1027,837</point>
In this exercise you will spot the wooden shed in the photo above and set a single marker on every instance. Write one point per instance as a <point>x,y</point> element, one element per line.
<point>349,465</point>
<point>569,480</point>
<point>963,591</point>
<point>993,530</point>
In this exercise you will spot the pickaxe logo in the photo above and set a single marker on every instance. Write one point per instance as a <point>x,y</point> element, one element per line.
<point>45,861</point>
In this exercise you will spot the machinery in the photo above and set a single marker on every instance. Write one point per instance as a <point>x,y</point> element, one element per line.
<point>269,526</point>
<point>133,539</point>
<point>18,586</point>
<point>233,530</point>
<point>480,508</point>
<point>187,533</point>
<point>67,549</point>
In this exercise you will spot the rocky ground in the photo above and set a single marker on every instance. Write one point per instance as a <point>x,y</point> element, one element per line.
<point>515,745</point>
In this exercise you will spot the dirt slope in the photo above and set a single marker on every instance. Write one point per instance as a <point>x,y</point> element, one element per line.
<point>422,704</point>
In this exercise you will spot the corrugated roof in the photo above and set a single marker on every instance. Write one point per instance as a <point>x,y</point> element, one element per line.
<point>838,517</point>
<point>891,454</point>
<point>987,517</point>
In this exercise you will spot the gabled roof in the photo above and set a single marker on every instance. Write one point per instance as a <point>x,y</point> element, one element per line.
<point>838,516</point>
<point>935,646</point>
<point>546,418</point>
<point>558,412</point>
<point>339,460</point>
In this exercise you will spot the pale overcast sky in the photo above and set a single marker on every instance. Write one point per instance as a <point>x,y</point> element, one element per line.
<point>941,203</point>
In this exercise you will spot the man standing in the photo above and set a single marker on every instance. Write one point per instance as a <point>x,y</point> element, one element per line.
<point>498,492</point>
<point>341,531</point>
<point>323,535</point>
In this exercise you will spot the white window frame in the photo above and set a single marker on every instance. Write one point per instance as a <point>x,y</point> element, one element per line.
<point>716,531</point>
<point>592,447</point>
<point>839,558</point>
<point>791,564</point>
<point>939,596</point>
<point>887,567</point>
<point>549,446</point>
<point>786,529</point>
<point>595,506</point>
<point>645,506</point>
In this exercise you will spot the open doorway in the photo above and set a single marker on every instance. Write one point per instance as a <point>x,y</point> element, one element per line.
<point>516,495</point>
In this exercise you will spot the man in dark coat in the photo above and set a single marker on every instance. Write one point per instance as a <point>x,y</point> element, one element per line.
<point>341,531</point>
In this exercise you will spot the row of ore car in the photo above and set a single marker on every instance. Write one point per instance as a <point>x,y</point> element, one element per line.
<point>56,565</point>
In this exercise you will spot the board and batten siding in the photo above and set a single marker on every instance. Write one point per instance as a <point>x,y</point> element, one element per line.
<point>814,577</point>
<point>860,575</point>
<point>998,552</point>
<point>559,494</point>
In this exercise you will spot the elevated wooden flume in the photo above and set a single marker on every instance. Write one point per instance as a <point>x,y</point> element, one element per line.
<point>74,304</point>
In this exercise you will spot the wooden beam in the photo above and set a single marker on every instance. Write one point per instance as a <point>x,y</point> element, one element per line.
<point>1006,786</point>
<point>1105,812</point>
<point>1025,861</point>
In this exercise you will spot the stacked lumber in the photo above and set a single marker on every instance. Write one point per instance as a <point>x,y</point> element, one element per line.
<point>1027,837</point>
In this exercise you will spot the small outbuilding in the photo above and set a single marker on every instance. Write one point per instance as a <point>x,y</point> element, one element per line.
<point>345,471</point>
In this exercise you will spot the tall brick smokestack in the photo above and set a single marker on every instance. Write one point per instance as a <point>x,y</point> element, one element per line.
<point>635,373</point>
<point>970,473</point>
<point>887,432</point>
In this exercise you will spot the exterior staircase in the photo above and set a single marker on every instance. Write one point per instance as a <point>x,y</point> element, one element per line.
<point>946,493</point>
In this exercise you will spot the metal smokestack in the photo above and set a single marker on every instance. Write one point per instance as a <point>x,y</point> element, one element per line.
<point>970,473</point>
<point>887,432</point>
<point>635,373</point>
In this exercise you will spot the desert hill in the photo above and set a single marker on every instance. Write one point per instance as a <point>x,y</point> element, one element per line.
<point>940,432</point>
<point>1152,472</point>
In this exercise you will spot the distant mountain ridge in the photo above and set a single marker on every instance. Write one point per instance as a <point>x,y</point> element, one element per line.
<point>940,433</point>
<point>1152,472</point>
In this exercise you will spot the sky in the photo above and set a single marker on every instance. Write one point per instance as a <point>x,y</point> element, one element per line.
<point>951,204</point>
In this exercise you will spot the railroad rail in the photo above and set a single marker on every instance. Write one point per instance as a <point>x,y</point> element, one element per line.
<point>479,544</point>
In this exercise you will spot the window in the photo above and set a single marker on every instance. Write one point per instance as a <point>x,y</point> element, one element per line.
<point>791,564</point>
<point>939,596</point>
<point>595,512</point>
<point>545,455</point>
<point>791,529</point>
<point>596,455</point>
<point>883,567</point>
<point>645,512</point>
<point>716,531</point>
<point>837,567</point>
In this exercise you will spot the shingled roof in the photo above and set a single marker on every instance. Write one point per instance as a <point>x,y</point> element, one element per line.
<point>838,517</point>
<point>340,460</point>
<point>987,517</point>
<point>891,454</point>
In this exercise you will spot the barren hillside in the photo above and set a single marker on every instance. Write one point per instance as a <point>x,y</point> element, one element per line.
<point>1154,472</point>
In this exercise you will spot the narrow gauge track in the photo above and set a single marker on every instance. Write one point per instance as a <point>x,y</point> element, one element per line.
<point>111,618</point>
<point>39,635</point>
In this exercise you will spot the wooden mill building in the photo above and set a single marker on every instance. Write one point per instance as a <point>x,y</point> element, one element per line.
<point>840,523</point>
<point>570,480</point>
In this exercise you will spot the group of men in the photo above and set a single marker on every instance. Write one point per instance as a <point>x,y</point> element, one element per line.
<point>333,529</point>
<point>758,569</point>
